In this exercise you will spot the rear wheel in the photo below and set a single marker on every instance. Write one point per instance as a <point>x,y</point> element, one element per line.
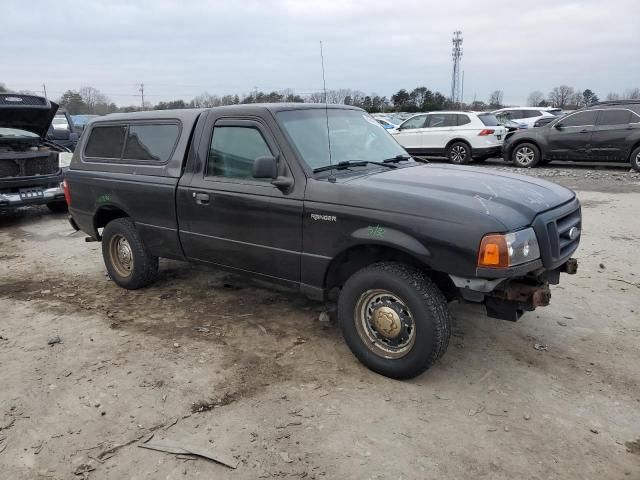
<point>127,259</point>
<point>58,207</point>
<point>459,153</point>
<point>635,159</point>
<point>394,319</point>
<point>526,155</point>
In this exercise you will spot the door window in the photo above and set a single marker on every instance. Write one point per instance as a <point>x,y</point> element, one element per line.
<point>415,122</point>
<point>442,120</point>
<point>233,151</point>
<point>581,119</point>
<point>614,117</point>
<point>515,114</point>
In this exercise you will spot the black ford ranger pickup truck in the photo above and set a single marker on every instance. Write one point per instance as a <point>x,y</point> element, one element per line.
<point>322,201</point>
<point>31,164</point>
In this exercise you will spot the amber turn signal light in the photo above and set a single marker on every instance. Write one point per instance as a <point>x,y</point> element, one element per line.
<point>494,252</point>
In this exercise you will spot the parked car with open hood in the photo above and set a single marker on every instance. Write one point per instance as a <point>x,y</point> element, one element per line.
<point>30,164</point>
<point>322,200</point>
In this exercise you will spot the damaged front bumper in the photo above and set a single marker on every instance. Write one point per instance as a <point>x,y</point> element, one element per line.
<point>509,298</point>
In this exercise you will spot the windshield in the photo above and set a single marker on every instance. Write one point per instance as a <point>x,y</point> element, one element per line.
<point>355,136</point>
<point>16,133</point>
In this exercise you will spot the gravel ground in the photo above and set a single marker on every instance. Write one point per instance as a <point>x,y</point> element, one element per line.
<point>212,362</point>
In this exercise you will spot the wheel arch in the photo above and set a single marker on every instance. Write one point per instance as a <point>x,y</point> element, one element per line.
<point>361,255</point>
<point>105,214</point>
<point>456,140</point>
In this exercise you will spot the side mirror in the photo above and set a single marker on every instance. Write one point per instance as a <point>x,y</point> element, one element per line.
<point>73,136</point>
<point>265,167</point>
<point>558,126</point>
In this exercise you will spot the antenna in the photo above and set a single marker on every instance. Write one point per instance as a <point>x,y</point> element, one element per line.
<point>326,112</point>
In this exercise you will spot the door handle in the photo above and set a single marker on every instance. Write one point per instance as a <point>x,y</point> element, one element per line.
<point>201,198</point>
<point>584,131</point>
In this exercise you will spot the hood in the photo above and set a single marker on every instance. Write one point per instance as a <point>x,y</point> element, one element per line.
<point>457,193</point>
<point>26,112</point>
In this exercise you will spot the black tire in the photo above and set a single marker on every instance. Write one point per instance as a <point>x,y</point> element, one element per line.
<point>125,255</point>
<point>459,153</point>
<point>525,155</point>
<point>635,159</point>
<point>58,207</point>
<point>417,296</point>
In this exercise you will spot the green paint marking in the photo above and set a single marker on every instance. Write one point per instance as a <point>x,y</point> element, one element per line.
<point>376,232</point>
<point>104,198</point>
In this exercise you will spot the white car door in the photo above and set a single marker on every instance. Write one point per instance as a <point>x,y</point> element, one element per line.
<point>440,127</point>
<point>409,133</point>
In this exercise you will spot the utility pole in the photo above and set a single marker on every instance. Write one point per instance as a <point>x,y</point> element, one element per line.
<point>462,89</point>
<point>141,90</point>
<point>44,90</point>
<point>456,56</point>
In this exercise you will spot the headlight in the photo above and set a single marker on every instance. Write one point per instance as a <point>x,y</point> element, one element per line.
<point>509,249</point>
<point>64,159</point>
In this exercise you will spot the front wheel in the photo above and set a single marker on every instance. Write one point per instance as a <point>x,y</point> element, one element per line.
<point>459,153</point>
<point>394,319</point>
<point>126,257</point>
<point>635,159</point>
<point>526,155</point>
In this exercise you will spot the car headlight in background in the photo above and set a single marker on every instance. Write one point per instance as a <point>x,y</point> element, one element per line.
<point>508,249</point>
<point>64,159</point>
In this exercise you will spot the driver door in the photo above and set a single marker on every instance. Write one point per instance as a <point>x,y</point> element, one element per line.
<point>570,138</point>
<point>231,219</point>
<point>410,134</point>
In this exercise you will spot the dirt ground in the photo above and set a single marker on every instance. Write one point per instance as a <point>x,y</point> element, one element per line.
<point>212,362</point>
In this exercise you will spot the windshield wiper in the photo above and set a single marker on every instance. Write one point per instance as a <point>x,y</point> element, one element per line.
<point>404,157</point>
<point>352,163</point>
<point>398,158</point>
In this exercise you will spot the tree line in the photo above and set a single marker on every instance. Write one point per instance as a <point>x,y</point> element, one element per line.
<point>89,100</point>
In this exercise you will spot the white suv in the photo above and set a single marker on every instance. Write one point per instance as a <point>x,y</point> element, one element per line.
<point>459,136</point>
<point>526,115</point>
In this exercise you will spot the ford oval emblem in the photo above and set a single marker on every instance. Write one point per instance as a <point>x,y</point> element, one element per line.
<point>574,233</point>
<point>13,99</point>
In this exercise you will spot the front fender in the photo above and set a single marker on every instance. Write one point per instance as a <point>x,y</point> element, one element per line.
<point>388,237</point>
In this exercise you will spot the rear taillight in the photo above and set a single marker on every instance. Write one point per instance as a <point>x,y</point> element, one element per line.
<point>67,193</point>
<point>485,132</point>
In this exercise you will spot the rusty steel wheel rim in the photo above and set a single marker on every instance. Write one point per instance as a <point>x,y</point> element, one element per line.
<point>385,324</point>
<point>121,255</point>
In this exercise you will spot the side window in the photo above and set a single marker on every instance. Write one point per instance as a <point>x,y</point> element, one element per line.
<point>463,119</point>
<point>150,142</point>
<point>106,142</point>
<point>579,119</point>
<point>442,120</point>
<point>233,151</point>
<point>415,122</point>
<point>532,113</point>
<point>614,117</point>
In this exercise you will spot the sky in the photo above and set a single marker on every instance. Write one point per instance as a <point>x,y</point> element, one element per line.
<point>180,49</point>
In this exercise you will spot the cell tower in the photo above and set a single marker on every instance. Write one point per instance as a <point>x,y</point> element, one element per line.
<point>456,56</point>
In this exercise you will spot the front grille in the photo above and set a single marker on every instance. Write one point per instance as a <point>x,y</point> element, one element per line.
<point>29,167</point>
<point>28,100</point>
<point>553,231</point>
